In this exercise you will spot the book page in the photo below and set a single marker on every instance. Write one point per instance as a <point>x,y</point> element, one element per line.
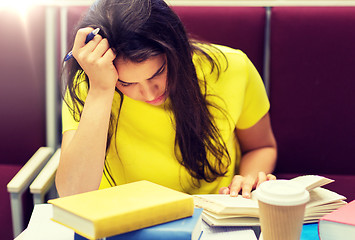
<point>228,201</point>
<point>321,196</point>
<point>312,181</point>
<point>227,233</point>
<point>322,201</point>
<point>232,221</point>
<point>225,204</point>
<point>223,216</point>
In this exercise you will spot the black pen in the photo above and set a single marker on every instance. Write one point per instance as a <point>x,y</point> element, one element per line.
<point>89,37</point>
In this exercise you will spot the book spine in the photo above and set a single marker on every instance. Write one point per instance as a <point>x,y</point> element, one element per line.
<point>319,231</point>
<point>153,235</point>
<point>168,235</point>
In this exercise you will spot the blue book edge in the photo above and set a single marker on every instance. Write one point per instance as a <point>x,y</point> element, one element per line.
<point>310,232</point>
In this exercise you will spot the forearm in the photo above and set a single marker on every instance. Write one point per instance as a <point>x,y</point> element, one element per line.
<point>258,160</point>
<point>82,157</point>
<point>259,152</point>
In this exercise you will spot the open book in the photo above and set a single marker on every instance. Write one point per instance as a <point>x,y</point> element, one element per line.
<point>223,210</point>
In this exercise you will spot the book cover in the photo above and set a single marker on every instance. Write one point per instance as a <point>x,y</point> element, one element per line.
<point>125,208</point>
<point>224,210</point>
<point>309,231</point>
<point>182,229</point>
<point>339,224</point>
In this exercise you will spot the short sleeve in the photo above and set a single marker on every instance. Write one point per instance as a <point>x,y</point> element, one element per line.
<point>256,103</point>
<point>69,122</point>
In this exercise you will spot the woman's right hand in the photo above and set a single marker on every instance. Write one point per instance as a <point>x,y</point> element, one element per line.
<point>96,59</point>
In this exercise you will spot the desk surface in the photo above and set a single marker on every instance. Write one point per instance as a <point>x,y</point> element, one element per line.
<point>41,227</point>
<point>309,232</point>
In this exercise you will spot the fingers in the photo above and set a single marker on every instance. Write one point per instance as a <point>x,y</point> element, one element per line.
<point>109,55</point>
<point>236,185</point>
<point>223,190</point>
<point>93,50</point>
<point>248,185</point>
<point>245,184</point>
<point>270,177</point>
<point>80,38</point>
<point>97,49</point>
<point>261,178</point>
<point>95,46</point>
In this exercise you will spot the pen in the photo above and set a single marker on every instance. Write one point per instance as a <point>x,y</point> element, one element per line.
<point>89,37</point>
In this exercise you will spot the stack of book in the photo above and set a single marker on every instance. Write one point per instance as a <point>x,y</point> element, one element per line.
<point>139,210</point>
<point>223,210</point>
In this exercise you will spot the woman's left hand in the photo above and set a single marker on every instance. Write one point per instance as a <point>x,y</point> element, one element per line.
<point>245,184</point>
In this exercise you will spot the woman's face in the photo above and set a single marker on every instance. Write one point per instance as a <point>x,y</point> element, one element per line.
<point>145,81</point>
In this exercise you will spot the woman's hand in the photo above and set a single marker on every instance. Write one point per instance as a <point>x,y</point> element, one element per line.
<point>245,184</point>
<point>96,59</point>
<point>259,152</point>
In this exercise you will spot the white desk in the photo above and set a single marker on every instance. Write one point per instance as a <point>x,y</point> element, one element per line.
<point>21,236</point>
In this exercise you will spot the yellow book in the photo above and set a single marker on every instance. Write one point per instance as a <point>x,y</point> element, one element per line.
<point>116,210</point>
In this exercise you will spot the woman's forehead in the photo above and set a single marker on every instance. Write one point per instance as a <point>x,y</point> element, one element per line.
<point>130,71</point>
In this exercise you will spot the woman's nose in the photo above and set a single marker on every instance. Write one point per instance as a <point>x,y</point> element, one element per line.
<point>149,91</point>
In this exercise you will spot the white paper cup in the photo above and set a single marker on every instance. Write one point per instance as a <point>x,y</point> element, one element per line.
<point>281,209</point>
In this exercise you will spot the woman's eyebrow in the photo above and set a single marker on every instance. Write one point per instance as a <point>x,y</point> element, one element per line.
<point>158,71</point>
<point>154,75</point>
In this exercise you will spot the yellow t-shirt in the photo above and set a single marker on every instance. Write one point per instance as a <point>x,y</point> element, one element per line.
<point>145,134</point>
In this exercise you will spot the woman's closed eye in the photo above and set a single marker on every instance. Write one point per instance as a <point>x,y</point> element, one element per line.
<point>159,72</point>
<point>125,84</point>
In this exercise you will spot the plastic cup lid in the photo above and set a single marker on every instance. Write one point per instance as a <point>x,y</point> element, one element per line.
<point>282,193</point>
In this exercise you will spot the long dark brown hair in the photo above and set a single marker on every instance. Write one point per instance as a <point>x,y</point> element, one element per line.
<point>137,30</point>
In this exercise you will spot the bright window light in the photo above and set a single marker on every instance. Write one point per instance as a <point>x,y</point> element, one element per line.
<point>20,6</point>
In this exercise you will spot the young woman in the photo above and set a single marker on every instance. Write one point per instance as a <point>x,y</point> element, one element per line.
<point>143,101</point>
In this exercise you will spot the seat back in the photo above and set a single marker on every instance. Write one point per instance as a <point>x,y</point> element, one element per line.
<point>312,82</point>
<point>237,27</point>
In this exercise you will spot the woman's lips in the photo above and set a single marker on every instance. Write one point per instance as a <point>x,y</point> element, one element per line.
<point>157,100</point>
